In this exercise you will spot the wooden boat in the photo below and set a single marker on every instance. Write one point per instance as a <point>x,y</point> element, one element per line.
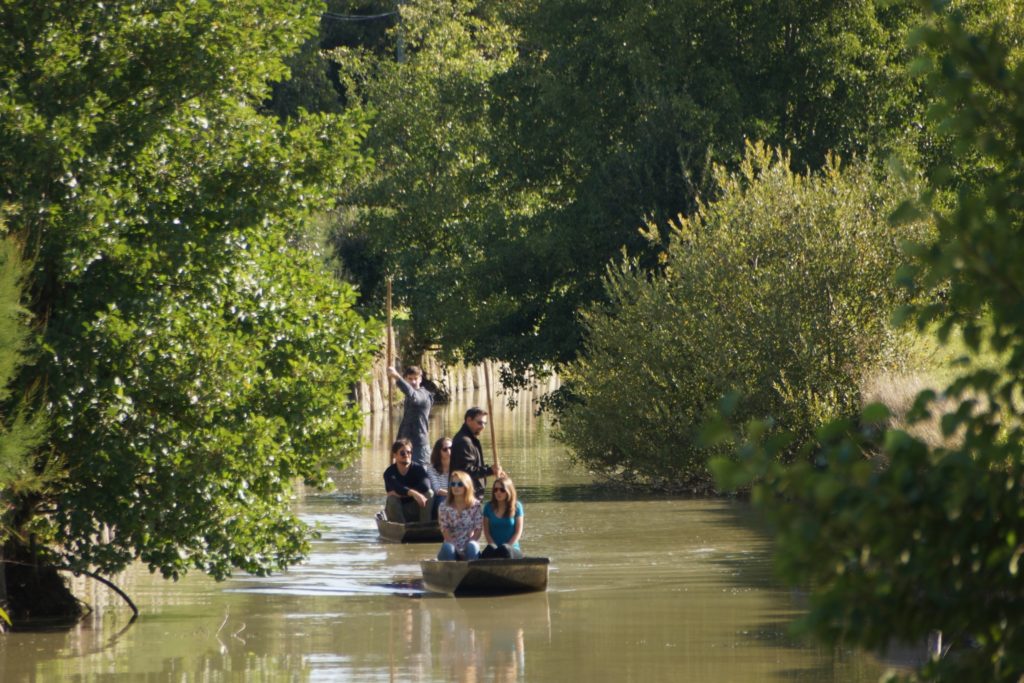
<point>486,577</point>
<point>413,532</point>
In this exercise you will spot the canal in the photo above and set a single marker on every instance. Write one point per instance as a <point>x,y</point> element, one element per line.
<point>642,588</point>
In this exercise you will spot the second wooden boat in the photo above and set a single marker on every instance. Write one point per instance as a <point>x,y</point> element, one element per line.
<point>486,577</point>
<point>413,532</point>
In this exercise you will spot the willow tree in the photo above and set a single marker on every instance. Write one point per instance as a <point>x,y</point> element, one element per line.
<point>196,361</point>
<point>779,290</point>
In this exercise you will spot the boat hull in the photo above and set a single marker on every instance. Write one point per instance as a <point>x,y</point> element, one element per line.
<point>486,577</point>
<point>413,532</point>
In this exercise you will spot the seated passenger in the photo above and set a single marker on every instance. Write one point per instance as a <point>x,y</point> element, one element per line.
<point>460,519</point>
<point>437,470</point>
<point>408,487</point>
<point>503,521</point>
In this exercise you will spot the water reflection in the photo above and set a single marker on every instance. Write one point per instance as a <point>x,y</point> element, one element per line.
<point>485,639</point>
<point>640,589</point>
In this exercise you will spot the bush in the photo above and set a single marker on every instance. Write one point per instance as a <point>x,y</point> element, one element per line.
<point>780,291</point>
<point>933,541</point>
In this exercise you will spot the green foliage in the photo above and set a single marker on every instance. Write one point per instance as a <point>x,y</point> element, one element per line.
<point>523,143</point>
<point>197,362</point>
<point>21,427</point>
<point>780,291</point>
<point>932,539</point>
<point>416,216</point>
<point>313,84</point>
<point>14,332</point>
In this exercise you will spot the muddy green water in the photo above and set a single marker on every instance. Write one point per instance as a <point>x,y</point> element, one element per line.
<point>640,590</point>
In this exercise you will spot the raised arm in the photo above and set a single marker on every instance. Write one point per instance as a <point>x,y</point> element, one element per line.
<point>399,381</point>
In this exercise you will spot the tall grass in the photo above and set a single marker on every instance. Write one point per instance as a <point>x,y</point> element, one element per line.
<point>928,364</point>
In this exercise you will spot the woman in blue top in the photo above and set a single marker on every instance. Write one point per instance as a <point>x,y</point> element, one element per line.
<point>503,521</point>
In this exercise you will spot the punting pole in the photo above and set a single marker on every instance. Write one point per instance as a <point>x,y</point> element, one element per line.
<point>391,384</point>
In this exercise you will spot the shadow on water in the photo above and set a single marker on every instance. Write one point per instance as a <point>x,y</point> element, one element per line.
<point>744,574</point>
<point>576,493</point>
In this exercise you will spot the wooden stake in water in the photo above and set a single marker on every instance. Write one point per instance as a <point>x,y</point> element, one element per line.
<point>490,411</point>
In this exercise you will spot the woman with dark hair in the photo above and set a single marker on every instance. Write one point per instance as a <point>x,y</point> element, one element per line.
<point>460,519</point>
<point>437,470</point>
<point>503,520</point>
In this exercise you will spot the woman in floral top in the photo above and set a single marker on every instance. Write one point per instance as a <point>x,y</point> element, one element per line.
<point>461,520</point>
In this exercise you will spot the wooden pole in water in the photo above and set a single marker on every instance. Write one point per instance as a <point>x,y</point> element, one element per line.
<point>391,384</point>
<point>490,411</point>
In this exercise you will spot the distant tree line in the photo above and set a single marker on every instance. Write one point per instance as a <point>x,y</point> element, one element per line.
<point>520,146</point>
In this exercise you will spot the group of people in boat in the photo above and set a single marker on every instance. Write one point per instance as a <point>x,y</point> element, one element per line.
<point>448,482</point>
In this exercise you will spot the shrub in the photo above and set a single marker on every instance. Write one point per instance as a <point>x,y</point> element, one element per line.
<point>780,291</point>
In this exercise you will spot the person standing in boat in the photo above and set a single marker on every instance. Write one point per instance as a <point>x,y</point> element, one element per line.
<point>408,487</point>
<point>415,413</point>
<point>461,520</point>
<point>468,454</point>
<point>503,521</point>
<point>438,470</point>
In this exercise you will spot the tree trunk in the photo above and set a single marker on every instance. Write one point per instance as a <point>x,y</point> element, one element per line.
<point>36,593</point>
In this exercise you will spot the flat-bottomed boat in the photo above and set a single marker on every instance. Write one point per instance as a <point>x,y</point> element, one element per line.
<point>486,577</point>
<point>412,532</point>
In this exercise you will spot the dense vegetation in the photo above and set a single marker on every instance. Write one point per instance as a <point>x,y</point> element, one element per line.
<point>22,426</point>
<point>521,144</point>
<point>564,184</point>
<point>780,291</point>
<point>193,360</point>
<point>933,538</point>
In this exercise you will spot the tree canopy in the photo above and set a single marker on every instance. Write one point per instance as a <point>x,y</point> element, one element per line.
<point>195,359</point>
<point>522,145</point>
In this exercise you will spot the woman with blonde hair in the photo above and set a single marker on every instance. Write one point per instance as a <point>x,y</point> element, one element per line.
<point>461,520</point>
<point>503,520</point>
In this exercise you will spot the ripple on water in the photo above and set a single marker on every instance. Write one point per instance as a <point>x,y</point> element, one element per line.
<point>347,559</point>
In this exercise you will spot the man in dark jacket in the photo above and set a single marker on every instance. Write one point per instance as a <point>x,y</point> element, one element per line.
<point>468,454</point>
<point>408,487</point>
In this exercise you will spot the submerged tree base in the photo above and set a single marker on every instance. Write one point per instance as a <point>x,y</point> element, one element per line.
<point>39,594</point>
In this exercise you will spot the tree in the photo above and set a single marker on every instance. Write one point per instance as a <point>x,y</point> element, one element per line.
<point>779,290</point>
<point>417,216</point>
<point>196,361</point>
<point>526,156</point>
<point>22,428</point>
<point>932,539</point>
<point>313,84</point>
